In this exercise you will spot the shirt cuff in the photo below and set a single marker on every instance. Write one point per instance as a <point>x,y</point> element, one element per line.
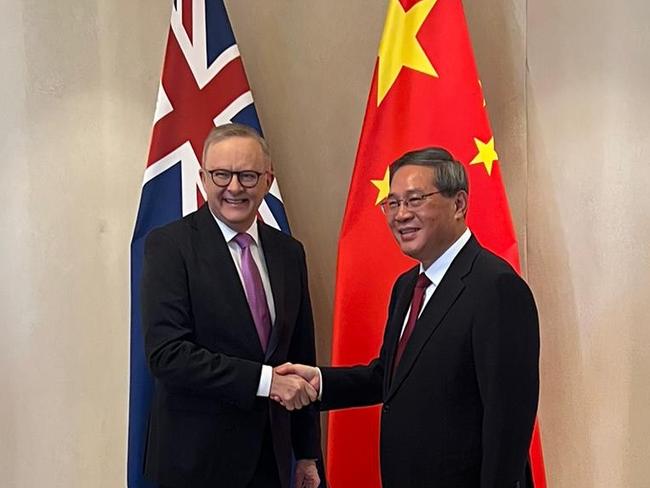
<point>320,382</point>
<point>264,388</point>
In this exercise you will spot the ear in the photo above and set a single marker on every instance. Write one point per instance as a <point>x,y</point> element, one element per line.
<point>269,180</point>
<point>460,201</point>
<point>204,177</point>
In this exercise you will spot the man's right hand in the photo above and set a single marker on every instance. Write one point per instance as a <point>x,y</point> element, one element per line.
<point>291,390</point>
<point>308,373</point>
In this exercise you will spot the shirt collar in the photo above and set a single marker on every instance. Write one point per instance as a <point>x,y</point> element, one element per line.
<point>439,267</point>
<point>229,234</point>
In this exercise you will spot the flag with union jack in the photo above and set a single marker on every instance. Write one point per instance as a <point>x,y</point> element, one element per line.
<point>203,83</point>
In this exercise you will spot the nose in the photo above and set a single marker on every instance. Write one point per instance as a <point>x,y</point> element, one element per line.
<point>234,186</point>
<point>403,214</point>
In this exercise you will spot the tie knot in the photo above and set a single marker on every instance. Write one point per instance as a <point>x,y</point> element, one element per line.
<point>243,240</point>
<point>422,281</point>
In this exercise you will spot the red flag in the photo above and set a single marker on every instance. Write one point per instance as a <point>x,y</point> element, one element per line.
<point>425,92</point>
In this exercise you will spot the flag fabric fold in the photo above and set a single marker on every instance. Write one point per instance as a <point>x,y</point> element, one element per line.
<point>425,91</point>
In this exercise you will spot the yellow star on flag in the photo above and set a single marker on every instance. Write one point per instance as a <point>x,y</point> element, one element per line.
<point>399,46</point>
<point>486,154</point>
<point>383,186</point>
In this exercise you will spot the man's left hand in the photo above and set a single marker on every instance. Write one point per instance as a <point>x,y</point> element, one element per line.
<point>307,474</point>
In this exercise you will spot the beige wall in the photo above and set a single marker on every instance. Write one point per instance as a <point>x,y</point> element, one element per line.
<point>566,86</point>
<point>78,89</point>
<point>588,230</point>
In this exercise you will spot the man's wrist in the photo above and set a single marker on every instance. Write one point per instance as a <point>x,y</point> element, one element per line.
<point>320,384</point>
<point>266,377</point>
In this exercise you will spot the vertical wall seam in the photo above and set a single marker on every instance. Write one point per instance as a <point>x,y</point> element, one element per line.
<point>527,146</point>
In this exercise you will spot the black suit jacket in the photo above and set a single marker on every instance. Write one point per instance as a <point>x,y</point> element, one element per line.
<point>207,424</point>
<point>460,408</point>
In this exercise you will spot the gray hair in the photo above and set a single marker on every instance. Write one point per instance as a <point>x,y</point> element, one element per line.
<point>450,175</point>
<point>233,129</point>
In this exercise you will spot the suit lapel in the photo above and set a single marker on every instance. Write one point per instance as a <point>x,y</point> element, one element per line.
<point>231,297</point>
<point>274,257</point>
<point>435,311</point>
<point>394,327</point>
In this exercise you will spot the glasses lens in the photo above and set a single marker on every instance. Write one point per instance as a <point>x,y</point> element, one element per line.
<point>221,177</point>
<point>415,201</point>
<point>389,207</point>
<point>248,179</point>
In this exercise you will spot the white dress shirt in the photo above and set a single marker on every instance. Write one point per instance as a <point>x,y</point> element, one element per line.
<point>436,271</point>
<point>264,386</point>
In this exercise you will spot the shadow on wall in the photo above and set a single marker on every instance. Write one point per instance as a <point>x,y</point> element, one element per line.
<point>636,467</point>
<point>563,414</point>
<point>88,109</point>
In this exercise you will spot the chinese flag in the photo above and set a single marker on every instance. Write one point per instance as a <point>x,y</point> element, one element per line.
<point>425,92</point>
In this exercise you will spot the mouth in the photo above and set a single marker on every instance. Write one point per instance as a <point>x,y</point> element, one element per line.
<point>408,233</point>
<point>235,202</point>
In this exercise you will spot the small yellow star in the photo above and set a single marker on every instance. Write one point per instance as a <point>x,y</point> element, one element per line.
<point>399,46</point>
<point>383,186</point>
<point>486,154</point>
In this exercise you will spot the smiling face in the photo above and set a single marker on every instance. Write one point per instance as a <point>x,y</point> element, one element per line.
<point>426,232</point>
<point>235,205</point>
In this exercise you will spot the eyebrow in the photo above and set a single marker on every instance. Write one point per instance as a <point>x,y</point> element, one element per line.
<point>408,193</point>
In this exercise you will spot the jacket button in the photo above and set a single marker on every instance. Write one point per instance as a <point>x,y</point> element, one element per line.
<point>386,408</point>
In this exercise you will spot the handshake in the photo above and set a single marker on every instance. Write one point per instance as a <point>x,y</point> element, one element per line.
<point>295,385</point>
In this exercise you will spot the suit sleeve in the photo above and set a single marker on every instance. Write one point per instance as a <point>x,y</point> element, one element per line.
<point>172,355</point>
<point>506,353</point>
<point>358,386</point>
<point>355,386</point>
<point>305,423</point>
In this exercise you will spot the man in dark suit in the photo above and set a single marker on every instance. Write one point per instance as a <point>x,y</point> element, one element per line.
<point>458,369</point>
<point>224,299</point>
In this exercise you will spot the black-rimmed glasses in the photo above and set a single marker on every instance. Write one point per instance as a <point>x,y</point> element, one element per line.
<point>247,178</point>
<point>391,206</point>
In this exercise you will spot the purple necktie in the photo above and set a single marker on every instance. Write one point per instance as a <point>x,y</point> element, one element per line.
<point>254,290</point>
<point>416,304</point>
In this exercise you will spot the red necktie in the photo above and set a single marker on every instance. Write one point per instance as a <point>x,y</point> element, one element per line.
<point>416,304</point>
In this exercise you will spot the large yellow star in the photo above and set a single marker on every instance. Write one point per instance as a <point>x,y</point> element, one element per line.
<point>399,46</point>
<point>383,186</point>
<point>486,154</point>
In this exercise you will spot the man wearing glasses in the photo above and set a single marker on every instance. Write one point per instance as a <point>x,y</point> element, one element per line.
<point>458,369</point>
<point>224,300</point>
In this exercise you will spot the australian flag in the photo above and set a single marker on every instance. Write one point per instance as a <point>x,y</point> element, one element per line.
<point>203,84</point>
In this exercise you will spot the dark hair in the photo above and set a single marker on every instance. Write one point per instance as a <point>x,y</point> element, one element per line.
<point>450,175</point>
